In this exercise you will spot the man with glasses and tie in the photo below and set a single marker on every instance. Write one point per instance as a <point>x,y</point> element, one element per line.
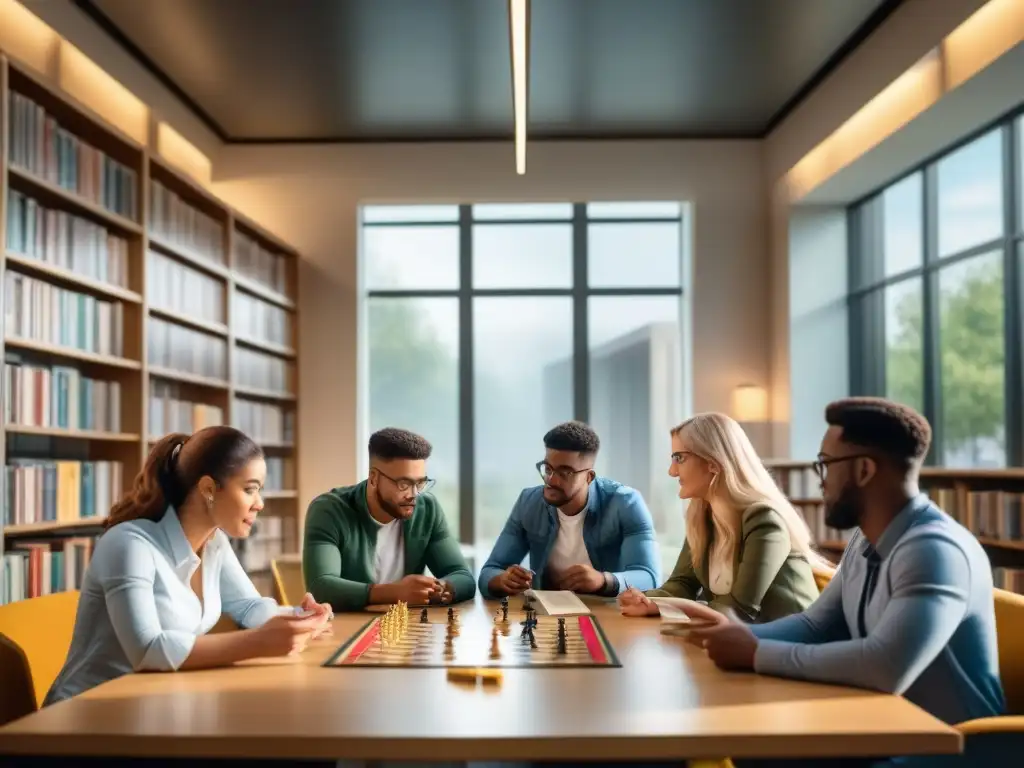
<point>583,533</point>
<point>370,543</point>
<point>910,609</point>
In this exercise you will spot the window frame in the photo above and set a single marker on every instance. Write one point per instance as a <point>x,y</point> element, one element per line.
<point>579,292</point>
<point>867,283</point>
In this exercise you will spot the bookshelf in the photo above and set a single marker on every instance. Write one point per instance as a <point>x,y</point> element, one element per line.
<point>135,304</point>
<point>988,502</point>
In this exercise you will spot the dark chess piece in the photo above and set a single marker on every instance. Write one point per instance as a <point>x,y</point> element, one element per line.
<point>533,640</point>
<point>451,615</point>
<point>504,608</point>
<point>423,616</point>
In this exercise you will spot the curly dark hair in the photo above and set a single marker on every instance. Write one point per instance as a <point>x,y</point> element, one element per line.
<point>573,436</point>
<point>895,430</point>
<point>392,443</point>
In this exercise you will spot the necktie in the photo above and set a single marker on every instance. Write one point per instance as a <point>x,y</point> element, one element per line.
<point>874,561</point>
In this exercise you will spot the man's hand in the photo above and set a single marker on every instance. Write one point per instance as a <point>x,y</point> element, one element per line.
<point>581,578</point>
<point>416,589</point>
<point>731,645</point>
<point>512,580</point>
<point>447,593</point>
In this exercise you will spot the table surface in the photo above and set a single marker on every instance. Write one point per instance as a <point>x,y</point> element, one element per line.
<point>666,701</point>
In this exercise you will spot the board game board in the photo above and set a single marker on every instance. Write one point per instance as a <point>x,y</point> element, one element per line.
<point>502,643</point>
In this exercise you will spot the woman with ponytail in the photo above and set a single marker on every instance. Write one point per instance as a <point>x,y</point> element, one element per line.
<point>164,571</point>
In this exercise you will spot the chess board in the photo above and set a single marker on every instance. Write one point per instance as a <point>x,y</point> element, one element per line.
<point>423,645</point>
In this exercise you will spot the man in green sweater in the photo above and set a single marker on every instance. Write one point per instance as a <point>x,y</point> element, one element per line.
<point>369,543</point>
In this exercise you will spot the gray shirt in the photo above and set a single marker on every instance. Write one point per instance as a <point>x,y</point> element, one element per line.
<point>926,630</point>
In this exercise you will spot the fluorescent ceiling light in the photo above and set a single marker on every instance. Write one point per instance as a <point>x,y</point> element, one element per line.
<point>518,12</point>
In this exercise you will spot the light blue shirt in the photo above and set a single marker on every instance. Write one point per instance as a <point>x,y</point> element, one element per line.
<point>137,610</point>
<point>930,621</point>
<point>618,533</point>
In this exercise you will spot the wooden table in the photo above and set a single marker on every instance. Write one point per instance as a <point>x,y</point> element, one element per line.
<point>667,701</point>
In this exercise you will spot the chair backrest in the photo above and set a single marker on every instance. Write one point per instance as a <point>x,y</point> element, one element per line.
<point>1010,637</point>
<point>41,627</point>
<point>289,584</point>
<point>822,576</point>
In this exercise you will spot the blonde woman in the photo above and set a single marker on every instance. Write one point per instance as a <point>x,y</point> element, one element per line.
<point>747,550</point>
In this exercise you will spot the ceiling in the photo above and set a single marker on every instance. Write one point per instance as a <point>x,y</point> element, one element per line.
<point>422,70</point>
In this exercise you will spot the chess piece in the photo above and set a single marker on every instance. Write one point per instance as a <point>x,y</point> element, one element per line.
<point>423,616</point>
<point>504,608</point>
<point>495,650</point>
<point>451,615</point>
<point>533,640</point>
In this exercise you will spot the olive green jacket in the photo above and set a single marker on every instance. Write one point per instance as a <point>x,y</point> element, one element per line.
<point>770,580</point>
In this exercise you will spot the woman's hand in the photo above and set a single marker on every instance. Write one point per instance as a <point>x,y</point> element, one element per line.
<point>310,606</point>
<point>633,602</point>
<point>285,635</point>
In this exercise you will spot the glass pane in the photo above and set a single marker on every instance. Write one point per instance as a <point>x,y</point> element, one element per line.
<point>1020,174</point>
<point>652,210</point>
<point>971,338</point>
<point>513,211</point>
<point>634,255</point>
<point>904,348</point>
<point>390,214</point>
<point>866,266</point>
<point>522,374</point>
<point>522,256</point>
<point>971,195</point>
<point>411,258</point>
<point>413,353</point>
<point>903,222</point>
<point>636,396</point>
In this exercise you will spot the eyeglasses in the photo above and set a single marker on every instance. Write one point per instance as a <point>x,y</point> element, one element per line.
<point>405,484</point>
<point>562,473</point>
<point>821,465</point>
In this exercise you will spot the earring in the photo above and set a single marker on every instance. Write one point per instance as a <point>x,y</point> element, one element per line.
<point>209,503</point>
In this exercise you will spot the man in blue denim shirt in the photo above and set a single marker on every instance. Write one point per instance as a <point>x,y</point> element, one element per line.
<point>583,533</point>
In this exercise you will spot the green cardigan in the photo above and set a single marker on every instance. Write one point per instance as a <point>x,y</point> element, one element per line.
<point>340,538</point>
<point>769,579</point>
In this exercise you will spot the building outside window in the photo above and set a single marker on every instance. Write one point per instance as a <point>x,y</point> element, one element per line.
<point>935,301</point>
<point>485,325</point>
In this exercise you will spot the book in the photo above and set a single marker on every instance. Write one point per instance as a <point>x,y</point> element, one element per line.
<point>560,602</point>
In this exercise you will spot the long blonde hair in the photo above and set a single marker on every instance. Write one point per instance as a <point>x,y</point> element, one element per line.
<point>742,481</point>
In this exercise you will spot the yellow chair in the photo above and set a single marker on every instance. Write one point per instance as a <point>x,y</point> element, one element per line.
<point>37,635</point>
<point>822,576</point>
<point>289,584</point>
<point>1010,638</point>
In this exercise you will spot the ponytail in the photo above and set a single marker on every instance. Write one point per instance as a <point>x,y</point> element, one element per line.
<point>155,487</point>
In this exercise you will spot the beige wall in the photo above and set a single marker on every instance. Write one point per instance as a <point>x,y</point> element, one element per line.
<point>309,196</point>
<point>915,28</point>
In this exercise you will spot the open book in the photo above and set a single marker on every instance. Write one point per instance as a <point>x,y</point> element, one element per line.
<point>557,602</point>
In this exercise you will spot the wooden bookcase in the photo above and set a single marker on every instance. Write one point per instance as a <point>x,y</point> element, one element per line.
<point>988,502</point>
<point>135,304</point>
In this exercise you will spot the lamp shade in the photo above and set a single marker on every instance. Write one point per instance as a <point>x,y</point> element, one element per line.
<point>750,403</point>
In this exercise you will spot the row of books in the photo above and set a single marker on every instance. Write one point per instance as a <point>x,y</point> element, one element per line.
<point>179,288</point>
<point>256,319</point>
<point>261,264</point>
<point>1010,579</point>
<point>181,224</point>
<point>43,312</point>
<point>797,482</point>
<point>183,349</point>
<point>988,514</point>
<point>254,369</point>
<point>57,491</point>
<point>59,396</point>
<point>42,147</point>
<point>264,422</point>
<point>265,543</point>
<point>64,240</point>
<point>170,412</point>
<point>280,474</point>
<point>34,569</point>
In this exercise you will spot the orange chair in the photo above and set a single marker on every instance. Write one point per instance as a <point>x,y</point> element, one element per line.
<point>34,639</point>
<point>822,576</point>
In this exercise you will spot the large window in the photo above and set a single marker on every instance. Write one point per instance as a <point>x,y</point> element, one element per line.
<point>486,325</point>
<point>936,303</point>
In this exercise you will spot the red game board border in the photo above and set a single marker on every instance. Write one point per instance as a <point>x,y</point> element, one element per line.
<point>600,650</point>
